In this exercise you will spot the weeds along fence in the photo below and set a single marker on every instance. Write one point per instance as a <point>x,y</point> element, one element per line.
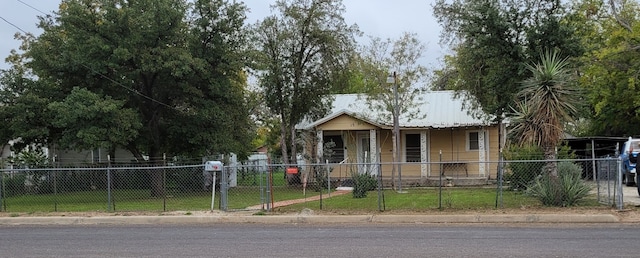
<point>258,185</point>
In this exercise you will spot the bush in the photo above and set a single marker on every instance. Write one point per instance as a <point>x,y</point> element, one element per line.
<point>362,184</point>
<point>320,176</point>
<point>565,190</point>
<point>522,174</point>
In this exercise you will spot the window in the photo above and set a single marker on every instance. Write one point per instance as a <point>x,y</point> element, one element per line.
<point>412,148</point>
<point>473,141</point>
<point>95,155</point>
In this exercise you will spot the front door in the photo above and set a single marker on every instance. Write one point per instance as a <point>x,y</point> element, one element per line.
<point>364,152</point>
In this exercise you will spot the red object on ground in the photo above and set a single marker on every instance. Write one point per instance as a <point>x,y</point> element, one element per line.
<point>293,170</point>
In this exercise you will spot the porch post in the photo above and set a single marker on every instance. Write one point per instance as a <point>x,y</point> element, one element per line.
<point>373,156</point>
<point>320,147</point>
<point>423,154</point>
<point>482,166</point>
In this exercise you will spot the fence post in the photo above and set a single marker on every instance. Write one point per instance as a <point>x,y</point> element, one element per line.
<point>224,187</point>
<point>440,185</point>
<point>55,185</point>
<point>109,204</point>
<point>500,178</point>
<point>619,196</point>
<point>213,191</point>
<point>380,195</point>
<point>262,173</point>
<point>269,188</point>
<point>328,178</point>
<point>164,182</point>
<point>1,187</point>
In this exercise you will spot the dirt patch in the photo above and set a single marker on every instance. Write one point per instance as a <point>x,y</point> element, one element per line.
<point>122,214</point>
<point>631,214</point>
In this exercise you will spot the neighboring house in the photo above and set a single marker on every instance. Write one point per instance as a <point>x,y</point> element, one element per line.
<point>443,131</point>
<point>5,154</point>
<point>8,155</point>
<point>85,157</point>
<point>71,157</point>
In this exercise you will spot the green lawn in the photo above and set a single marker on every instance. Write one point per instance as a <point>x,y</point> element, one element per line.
<point>420,199</point>
<point>415,199</point>
<point>140,200</point>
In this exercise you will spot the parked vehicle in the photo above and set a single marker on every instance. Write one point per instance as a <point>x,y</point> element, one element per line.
<point>629,156</point>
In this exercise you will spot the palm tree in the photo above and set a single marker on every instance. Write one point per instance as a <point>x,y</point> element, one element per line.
<point>548,103</point>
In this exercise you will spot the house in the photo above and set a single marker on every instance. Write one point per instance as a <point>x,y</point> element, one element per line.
<point>67,157</point>
<point>5,154</point>
<point>8,155</point>
<point>444,138</point>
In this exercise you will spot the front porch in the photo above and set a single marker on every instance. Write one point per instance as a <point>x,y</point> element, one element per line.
<point>460,173</point>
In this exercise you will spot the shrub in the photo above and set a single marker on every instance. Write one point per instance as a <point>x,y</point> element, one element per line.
<point>522,174</point>
<point>565,190</point>
<point>320,175</point>
<point>362,184</point>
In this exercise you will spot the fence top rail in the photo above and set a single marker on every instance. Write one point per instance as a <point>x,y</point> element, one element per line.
<point>280,165</point>
<point>432,162</point>
<point>97,168</point>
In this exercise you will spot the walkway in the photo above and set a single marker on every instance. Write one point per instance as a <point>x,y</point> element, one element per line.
<point>295,201</point>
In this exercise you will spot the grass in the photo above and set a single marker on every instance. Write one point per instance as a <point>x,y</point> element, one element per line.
<point>241,197</point>
<point>428,199</point>
<point>140,200</point>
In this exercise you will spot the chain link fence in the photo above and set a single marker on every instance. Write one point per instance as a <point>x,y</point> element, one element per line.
<point>608,185</point>
<point>259,185</point>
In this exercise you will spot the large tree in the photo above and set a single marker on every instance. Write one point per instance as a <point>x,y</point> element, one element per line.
<point>174,69</point>
<point>493,40</point>
<point>303,46</point>
<point>611,32</point>
<point>393,77</point>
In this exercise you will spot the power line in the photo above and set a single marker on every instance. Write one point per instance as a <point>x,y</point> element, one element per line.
<point>102,75</point>
<point>32,7</point>
<point>16,26</point>
<point>129,89</point>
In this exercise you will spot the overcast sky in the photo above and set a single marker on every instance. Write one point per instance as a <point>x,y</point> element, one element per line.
<point>379,18</point>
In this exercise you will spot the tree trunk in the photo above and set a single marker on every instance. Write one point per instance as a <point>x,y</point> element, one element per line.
<point>293,179</point>
<point>394,154</point>
<point>157,180</point>
<point>285,150</point>
<point>551,168</point>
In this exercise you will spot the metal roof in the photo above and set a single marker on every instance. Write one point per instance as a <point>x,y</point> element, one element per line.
<point>434,109</point>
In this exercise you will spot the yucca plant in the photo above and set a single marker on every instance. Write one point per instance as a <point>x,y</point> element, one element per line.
<point>565,190</point>
<point>547,102</point>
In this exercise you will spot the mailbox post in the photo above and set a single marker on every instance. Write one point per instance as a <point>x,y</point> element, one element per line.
<point>213,167</point>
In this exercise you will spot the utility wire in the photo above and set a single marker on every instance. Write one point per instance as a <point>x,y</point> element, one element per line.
<point>129,89</point>
<point>102,75</point>
<point>32,7</point>
<point>16,26</point>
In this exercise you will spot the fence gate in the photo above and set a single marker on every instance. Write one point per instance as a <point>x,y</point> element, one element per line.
<point>609,182</point>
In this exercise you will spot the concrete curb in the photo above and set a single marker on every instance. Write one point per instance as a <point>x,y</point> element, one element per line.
<point>312,219</point>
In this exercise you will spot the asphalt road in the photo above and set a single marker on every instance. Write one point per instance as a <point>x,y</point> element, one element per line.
<point>257,240</point>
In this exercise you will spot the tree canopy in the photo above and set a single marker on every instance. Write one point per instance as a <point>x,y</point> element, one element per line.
<point>153,77</point>
<point>611,32</point>
<point>304,46</point>
<point>493,41</point>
